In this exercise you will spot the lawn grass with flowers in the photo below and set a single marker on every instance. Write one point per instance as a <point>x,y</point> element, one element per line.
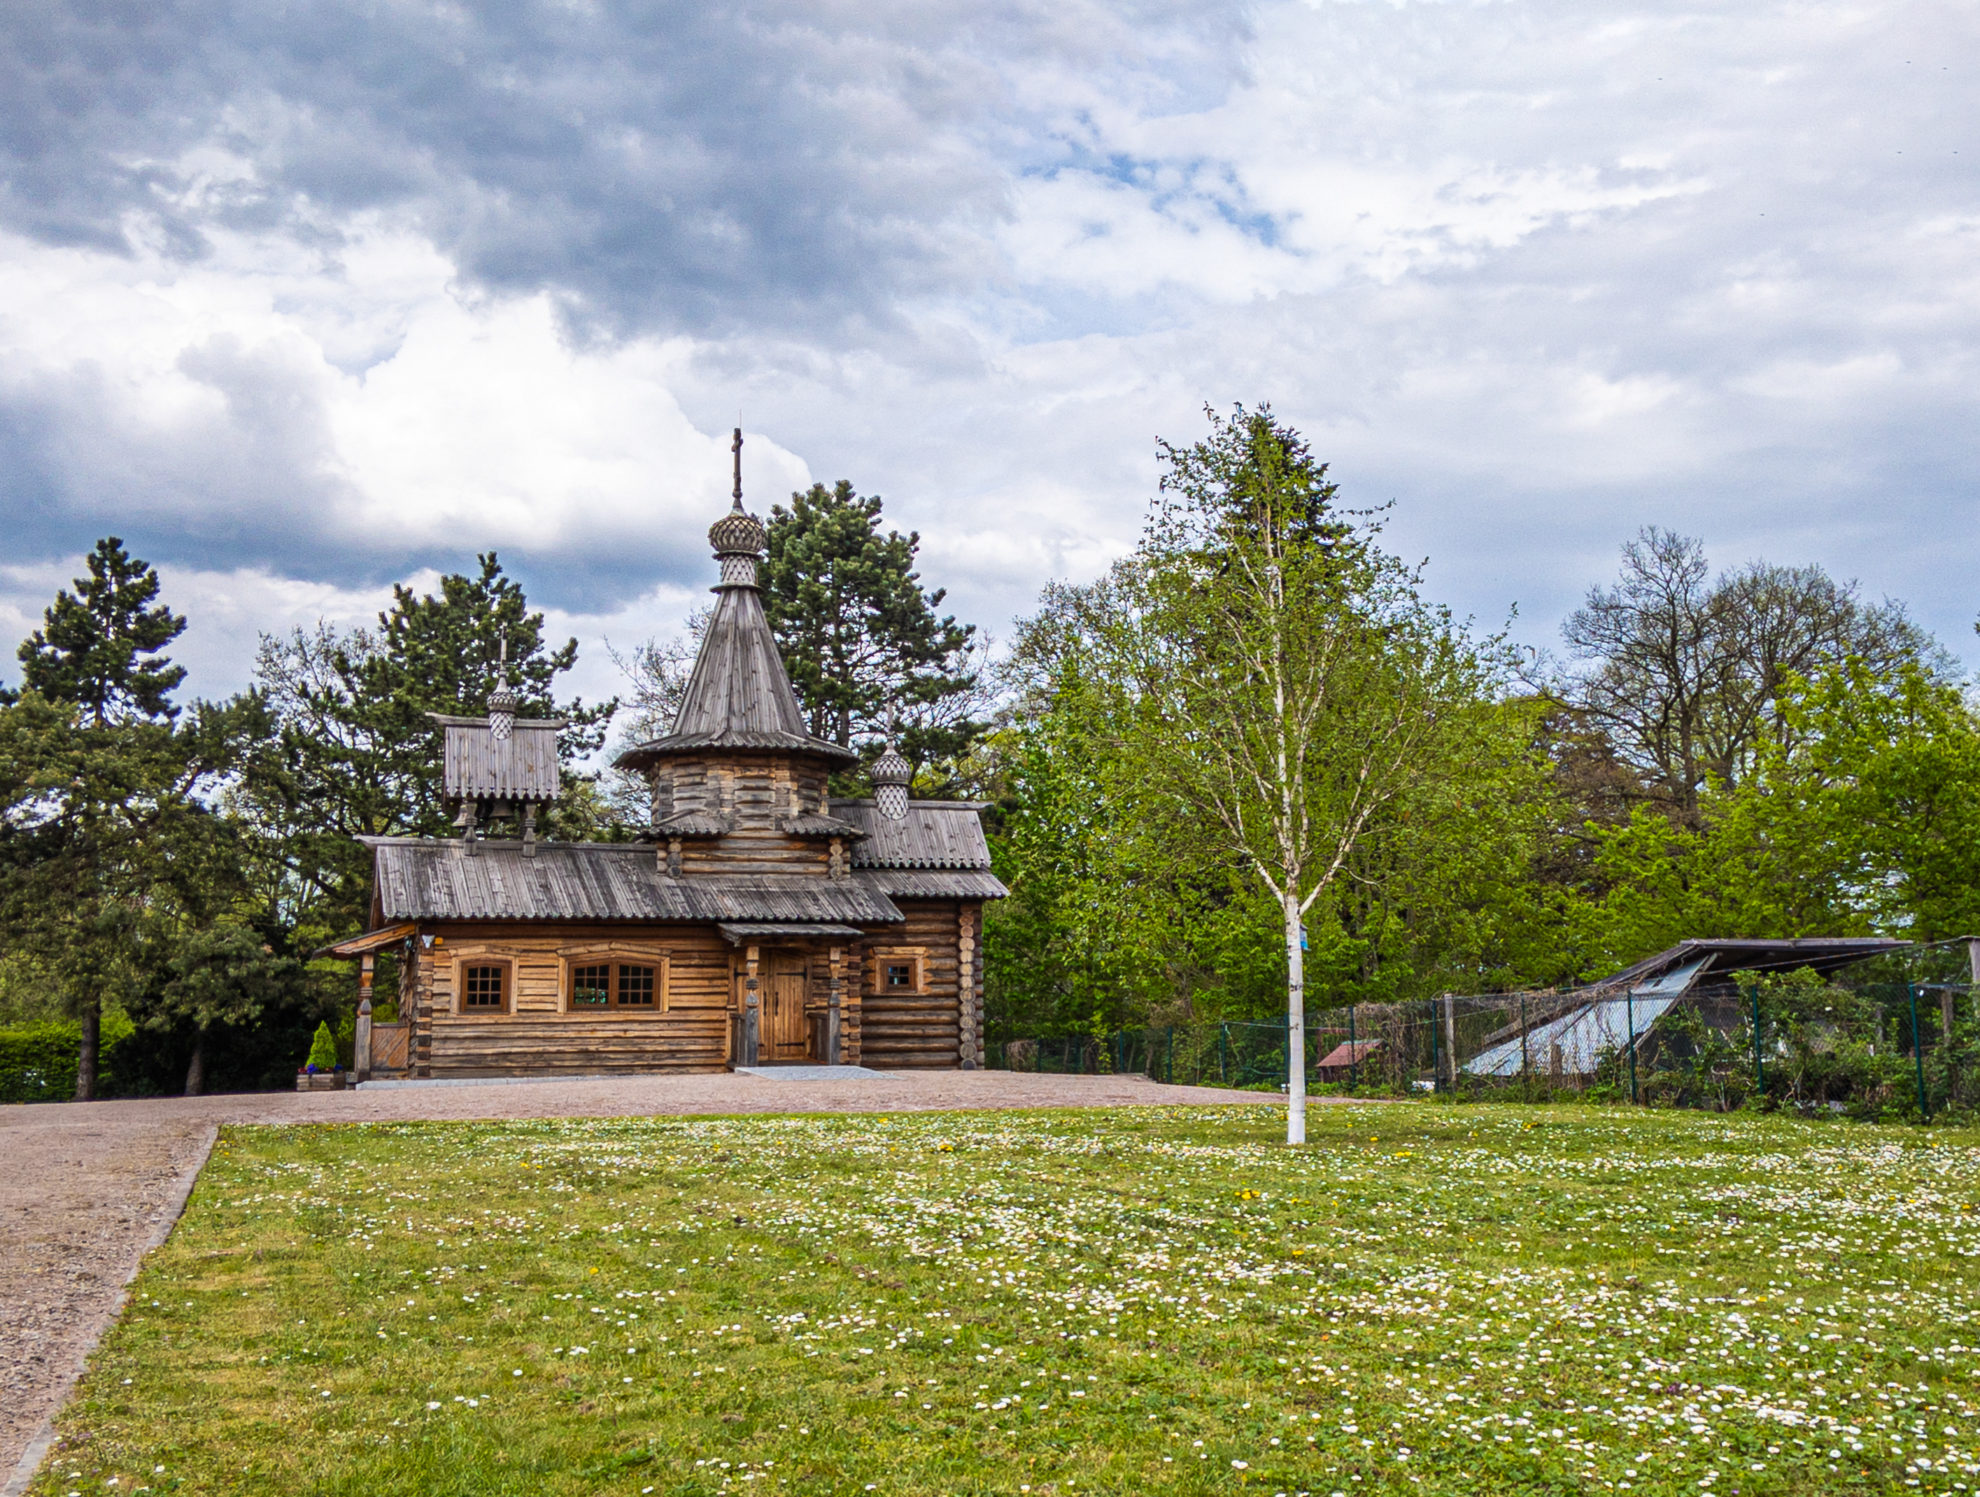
<point>1427,1298</point>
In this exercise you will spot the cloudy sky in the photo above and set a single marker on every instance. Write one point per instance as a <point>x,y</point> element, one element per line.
<point>305,299</point>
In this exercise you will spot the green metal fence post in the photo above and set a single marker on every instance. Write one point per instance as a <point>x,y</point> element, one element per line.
<point>1918,1054</point>
<point>1629,1007</point>
<point>1169,1056</point>
<point>1436,1051</point>
<point>1223,1047</point>
<point>1525,1061</point>
<point>1354,1055</point>
<point>1759,1066</point>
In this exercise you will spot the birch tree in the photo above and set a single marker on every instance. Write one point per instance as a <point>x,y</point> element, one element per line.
<point>1283,682</point>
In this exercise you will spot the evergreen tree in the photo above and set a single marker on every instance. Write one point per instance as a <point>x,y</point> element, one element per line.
<point>859,635</point>
<point>355,754</point>
<point>99,646</point>
<point>110,848</point>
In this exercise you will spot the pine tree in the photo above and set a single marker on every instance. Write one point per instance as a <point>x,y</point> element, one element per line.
<point>859,635</point>
<point>99,646</point>
<point>355,754</point>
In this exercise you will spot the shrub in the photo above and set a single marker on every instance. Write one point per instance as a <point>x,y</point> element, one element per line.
<point>323,1050</point>
<point>38,1061</point>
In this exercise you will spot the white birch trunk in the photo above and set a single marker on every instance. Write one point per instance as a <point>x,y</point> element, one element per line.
<point>1295,1024</point>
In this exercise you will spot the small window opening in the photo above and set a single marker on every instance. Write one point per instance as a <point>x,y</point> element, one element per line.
<point>900,974</point>
<point>635,987</point>
<point>591,987</point>
<point>482,988</point>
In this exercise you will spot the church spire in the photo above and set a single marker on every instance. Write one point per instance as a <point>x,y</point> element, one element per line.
<point>739,696</point>
<point>738,537</point>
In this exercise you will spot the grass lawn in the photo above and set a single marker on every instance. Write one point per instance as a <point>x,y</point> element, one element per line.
<point>1426,1299</point>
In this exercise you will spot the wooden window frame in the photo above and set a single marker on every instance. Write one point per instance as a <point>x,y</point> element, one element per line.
<point>917,958</point>
<point>614,955</point>
<point>466,959</point>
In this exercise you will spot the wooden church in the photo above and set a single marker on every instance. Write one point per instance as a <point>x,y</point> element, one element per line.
<point>756,921</point>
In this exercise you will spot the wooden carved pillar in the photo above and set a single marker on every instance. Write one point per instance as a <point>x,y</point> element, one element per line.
<point>361,1060</point>
<point>834,1007</point>
<point>751,1013</point>
<point>969,1018</point>
<point>422,1036</point>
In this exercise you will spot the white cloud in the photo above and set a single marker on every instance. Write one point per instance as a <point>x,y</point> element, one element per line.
<point>1540,271</point>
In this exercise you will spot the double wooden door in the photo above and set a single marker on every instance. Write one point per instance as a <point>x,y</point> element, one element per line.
<point>783,1033</point>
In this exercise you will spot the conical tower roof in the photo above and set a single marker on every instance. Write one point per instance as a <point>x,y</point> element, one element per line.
<point>739,696</point>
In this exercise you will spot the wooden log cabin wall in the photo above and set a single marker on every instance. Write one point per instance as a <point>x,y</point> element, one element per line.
<point>756,920</point>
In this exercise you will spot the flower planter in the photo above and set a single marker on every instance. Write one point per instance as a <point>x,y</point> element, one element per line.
<point>320,1081</point>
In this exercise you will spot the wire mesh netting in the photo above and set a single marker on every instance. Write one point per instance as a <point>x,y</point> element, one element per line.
<point>1870,1048</point>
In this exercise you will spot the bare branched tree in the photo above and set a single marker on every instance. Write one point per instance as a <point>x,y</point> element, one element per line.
<point>1684,671</point>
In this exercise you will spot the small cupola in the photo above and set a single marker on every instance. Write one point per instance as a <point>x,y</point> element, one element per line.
<point>891,776</point>
<point>738,537</point>
<point>499,769</point>
<point>501,712</point>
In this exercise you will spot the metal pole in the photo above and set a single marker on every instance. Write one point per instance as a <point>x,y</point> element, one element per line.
<point>1354,1055</point>
<point>1525,1061</point>
<point>1918,1054</point>
<point>1629,1007</point>
<point>1436,1052</point>
<point>1759,1067</point>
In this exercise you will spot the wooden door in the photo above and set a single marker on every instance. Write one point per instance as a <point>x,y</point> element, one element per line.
<point>784,1035</point>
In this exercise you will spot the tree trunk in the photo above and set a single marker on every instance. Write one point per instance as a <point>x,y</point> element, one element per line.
<point>1295,1024</point>
<point>92,1028</point>
<point>196,1068</point>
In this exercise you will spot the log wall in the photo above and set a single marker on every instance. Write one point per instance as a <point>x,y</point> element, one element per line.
<point>698,990</point>
<point>924,1029</point>
<point>756,793</point>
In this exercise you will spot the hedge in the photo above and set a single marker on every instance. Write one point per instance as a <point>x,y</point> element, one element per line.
<point>38,1061</point>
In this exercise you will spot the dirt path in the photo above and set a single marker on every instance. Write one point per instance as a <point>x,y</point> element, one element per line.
<point>86,1190</point>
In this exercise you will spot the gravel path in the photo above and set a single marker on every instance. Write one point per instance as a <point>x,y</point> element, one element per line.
<point>87,1190</point>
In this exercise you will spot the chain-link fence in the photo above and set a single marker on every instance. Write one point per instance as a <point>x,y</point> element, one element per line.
<point>1871,1048</point>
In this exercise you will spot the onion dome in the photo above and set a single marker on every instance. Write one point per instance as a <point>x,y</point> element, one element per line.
<point>891,775</point>
<point>738,537</point>
<point>501,712</point>
<point>738,533</point>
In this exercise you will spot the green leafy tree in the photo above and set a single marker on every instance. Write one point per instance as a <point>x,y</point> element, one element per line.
<point>207,980</point>
<point>859,635</point>
<point>1861,816</point>
<point>99,647</point>
<point>1278,683</point>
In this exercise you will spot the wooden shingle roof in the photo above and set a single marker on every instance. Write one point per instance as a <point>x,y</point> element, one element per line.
<point>479,766</point>
<point>933,834</point>
<point>420,879</point>
<point>738,696</point>
<point>932,883</point>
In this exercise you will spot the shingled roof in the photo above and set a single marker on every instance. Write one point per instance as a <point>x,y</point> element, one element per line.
<point>739,696</point>
<point>420,879</point>
<point>933,834</point>
<point>520,766</point>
